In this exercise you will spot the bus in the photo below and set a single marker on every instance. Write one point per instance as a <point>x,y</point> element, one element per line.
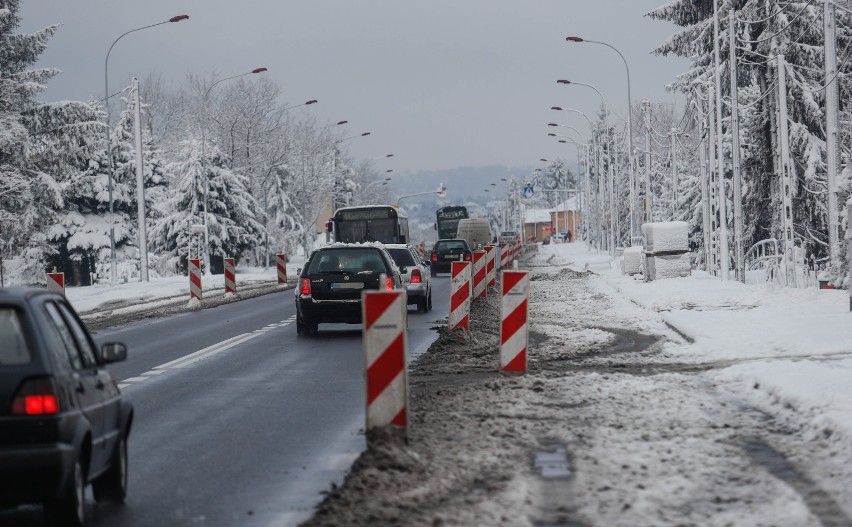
<point>371,223</point>
<point>448,221</point>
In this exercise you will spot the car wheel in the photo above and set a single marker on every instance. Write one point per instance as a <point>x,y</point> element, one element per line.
<point>421,304</point>
<point>112,485</point>
<point>70,508</point>
<point>301,329</point>
<point>433,272</point>
<point>429,301</point>
<point>313,328</point>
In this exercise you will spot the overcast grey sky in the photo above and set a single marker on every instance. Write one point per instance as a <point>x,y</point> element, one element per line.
<point>439,83</point>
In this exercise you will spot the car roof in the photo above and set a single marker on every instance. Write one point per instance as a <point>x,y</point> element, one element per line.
<point>21,294</point>
<point>397,246</point>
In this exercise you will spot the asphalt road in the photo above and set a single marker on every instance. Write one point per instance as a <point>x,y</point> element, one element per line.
<point>239,421</point>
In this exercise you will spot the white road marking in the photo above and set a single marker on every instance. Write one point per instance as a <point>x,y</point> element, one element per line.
<point>209,351</point>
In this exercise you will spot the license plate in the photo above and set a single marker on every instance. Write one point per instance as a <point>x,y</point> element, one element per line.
<point>347,285</point>
<point>452,257</point>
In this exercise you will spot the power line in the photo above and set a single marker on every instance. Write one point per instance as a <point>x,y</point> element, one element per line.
<point>770,17</point>
<point>788,26</point>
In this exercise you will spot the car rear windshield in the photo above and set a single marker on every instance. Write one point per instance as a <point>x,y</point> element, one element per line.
<point>449,244</point>
<point>13,346</point>
<point>402,257</point>
<point>347,260</point>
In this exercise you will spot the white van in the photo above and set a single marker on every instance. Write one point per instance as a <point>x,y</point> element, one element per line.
<point>476,232</point>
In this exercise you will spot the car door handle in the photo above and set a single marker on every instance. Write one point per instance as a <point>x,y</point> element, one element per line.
<point>80,388</point>
<point>100,384</point>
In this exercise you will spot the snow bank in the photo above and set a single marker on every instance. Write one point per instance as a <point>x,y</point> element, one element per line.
<point>788,350</point>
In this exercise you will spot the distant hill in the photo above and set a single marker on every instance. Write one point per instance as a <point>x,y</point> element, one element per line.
<point>465,186</point>
<point>461,182</point>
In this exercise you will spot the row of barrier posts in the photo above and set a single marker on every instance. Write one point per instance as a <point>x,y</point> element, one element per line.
<point>194,267</point>
<point>385,343</point>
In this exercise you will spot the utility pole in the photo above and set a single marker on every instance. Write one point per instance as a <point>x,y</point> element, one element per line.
<point>713,175</point>
<point>705,196</point>
<point>141,231</point>
<point>612,212</point>
<point>831,120</point>
<point>649,203</point>
<point>587,221</point>
<point>600,197</point>
<point>786,175</point>
<point>724,260</point>
<point>673,138</point>
<point>735,151</point>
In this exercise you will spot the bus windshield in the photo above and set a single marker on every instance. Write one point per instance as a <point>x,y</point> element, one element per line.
<point>448,221</point>
<point>381,223</point>
<point>365,231</point>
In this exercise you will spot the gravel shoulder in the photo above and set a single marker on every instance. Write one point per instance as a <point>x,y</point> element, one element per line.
<point>611,425</point>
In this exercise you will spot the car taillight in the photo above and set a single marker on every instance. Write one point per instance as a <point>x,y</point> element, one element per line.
<point>389,283</point>
<point>434,257</point>
<point>305,286</point>
<point>416,278</point>
<point>467,257</point>
<point>36,397</point>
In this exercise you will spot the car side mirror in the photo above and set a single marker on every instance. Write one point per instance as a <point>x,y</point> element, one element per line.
<point>113,352</point>
<point>427,263</point>
<point>298,270</point>
<point>403,270</point>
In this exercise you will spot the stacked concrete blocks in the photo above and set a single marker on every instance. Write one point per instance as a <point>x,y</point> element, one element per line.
<point>666,251</point>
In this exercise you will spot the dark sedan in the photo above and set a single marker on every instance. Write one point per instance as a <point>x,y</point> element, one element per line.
<point>63,421</point>
<point>445,252</point>
<point>331,283</point>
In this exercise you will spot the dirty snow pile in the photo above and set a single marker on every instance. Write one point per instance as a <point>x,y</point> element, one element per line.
<point>619,421</point>
<point>795,344</point>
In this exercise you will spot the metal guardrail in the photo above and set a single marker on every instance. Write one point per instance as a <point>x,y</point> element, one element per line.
<point>765,256</point>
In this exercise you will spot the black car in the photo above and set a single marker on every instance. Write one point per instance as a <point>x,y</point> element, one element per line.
<point>445,252</point>
<point>63,421</point>
<point>331,283</point>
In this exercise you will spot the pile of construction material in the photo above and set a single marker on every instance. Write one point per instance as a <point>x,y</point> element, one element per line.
<point>631,260</point>
<point>666,250</point>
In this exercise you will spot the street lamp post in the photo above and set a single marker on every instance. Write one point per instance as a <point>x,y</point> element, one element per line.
<point>578,194</point>
<point>207,252</point>
<point>629,130</point>
<point>590,156</point>
<point>603,99</point>
<point>609,183</point>
<point>110,163</point>
<point>440,192</point>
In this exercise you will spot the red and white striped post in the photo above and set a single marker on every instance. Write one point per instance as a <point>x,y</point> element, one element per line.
<point>56,283</point>
<point>517,254</point>
<point>480,260</point>
<point>460,275</point>
<point>385,341</point>
<point>281,263</point>
<point>230,276</point>
<point>194,279</point>
<point>504,256</point>
<point>514,326</point>
<point>490,265</point>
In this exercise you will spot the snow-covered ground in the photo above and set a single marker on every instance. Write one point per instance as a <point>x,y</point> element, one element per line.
<point>679,402</point>
<point>786,348</point>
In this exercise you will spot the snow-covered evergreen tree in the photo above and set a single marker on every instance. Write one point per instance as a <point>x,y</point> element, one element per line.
<point>27,195</point>
<point>765,29</point>
<point>232,212</point>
